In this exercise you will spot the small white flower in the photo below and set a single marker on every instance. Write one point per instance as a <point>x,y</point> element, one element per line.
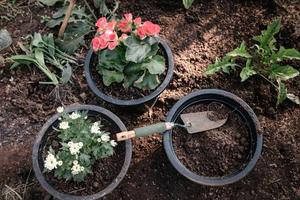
<point>64,125</point>
<point>113,143</point>
<point>99,140</point>
<point>75,169</point>
<point>75,162</point>
<point>105,138</point>
<point>50,162</point>
<point>81,168</point>
<point>70,143</point>
<point>80,144</point>
<point>60,163</point>
<point>74,115</point>
<point>60,109</point>
<point>59,118</point>
<point>95,128</point>
<point>85,117</point>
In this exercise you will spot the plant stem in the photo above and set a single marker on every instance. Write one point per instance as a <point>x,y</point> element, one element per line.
<point>267,80</point>
<point>66,19</point>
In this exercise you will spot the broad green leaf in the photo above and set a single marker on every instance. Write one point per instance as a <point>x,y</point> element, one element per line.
<point>136,51</point>
<point>247,71</point>
<point>220,65</point>
<point>293,98</point>
<point>5,39</point>
<point>39,56</point>
<point>50,2</point>
<point>156,65</point>
<point>151,40</point>
<point>24,59</point>
<point>282,72</point>
<point>241,51</point>
<point>284,53</point>
<point>37,40</point>
<point>129,79</point>
<point>112,59</point>
<point>266,39</point>
<point>110,77</point>
<point>134,68</point>
<point>187,3</point>
<point>49,40</point>
<point>74,37</point>
<point>282,92</point>
<point>147,81</point>
<point>154,50</point>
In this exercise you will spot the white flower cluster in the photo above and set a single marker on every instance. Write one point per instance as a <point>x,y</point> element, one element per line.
<point>64,125</point>
<point>51,162</point>
<point>76,168</point>
<point>60,109</point>
<point>95,128</point>
<point>75,147</point>
<point>74,115</point>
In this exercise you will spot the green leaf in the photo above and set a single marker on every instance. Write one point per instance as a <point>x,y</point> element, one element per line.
<point>293,98</point>
<point>282,92</point>
<point>37,40</point>
<point>220,65</point>
<point>282,72</point>
<point>112,59</point>
<point>187,3</point>
<point>50,2</point>
<point>129,79</point>
<point>66,74</point>
<point>247,71</point>
<point>110,77</point>
<point>5,39</point>
<point>266,39</point>
<point>241,51</point>
<point>147,81</point>
<point>101,5</point>
<point>74,37</point>
<point>156,65</point>
<point>284,53</point>
<point>136,50</point>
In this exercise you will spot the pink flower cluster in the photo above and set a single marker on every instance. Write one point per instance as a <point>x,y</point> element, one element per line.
<point>107,32</point>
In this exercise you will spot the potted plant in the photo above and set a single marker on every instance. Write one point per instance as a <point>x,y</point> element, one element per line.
<point>128,64</point>
<point>75,157</point>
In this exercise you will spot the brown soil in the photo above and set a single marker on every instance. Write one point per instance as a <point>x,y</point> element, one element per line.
<point>116,90</point>
<point>216,152</point>
<point>104,170</point>
<point>209,29</point>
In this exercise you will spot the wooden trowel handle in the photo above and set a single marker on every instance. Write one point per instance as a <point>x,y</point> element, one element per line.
<point>145,131</point>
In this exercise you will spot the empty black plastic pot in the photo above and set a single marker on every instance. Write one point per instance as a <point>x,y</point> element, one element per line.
<point>40,143</point>
<point>132,102</point>
<point>245,112</point>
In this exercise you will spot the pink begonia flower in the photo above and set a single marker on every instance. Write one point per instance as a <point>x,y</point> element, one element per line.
<point>99,43</point>
<point>101,24</point>
<point>137,21</point>
<point>123,37</point>
<point>148,29</point>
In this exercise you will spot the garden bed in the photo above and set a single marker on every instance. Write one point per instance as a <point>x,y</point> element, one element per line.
<point>196,36</point>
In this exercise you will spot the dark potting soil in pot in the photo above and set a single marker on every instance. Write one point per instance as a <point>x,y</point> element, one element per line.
<point>215,153</point>
<point>116,90</point>
<point>104,170</point>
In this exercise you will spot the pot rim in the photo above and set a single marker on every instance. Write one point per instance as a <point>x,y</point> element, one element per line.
<point>132,102</point>
<point>248,114</point>
<point>37,149</point>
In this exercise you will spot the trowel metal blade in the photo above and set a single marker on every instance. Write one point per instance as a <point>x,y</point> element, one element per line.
<point>199,122</point>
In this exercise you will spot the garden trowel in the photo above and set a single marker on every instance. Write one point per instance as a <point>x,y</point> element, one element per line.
<point>193,122</point>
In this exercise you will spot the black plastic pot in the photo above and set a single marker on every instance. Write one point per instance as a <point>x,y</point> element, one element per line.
<point>133,102</point>
<point>232,101</point>
<point>41,142</point>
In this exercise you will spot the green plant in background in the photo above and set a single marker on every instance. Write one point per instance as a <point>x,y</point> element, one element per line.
<point>79,25</point>
<point>81,144</point>
<point>187,3</point>
<point>41,53</point>
<point>265,60</point>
